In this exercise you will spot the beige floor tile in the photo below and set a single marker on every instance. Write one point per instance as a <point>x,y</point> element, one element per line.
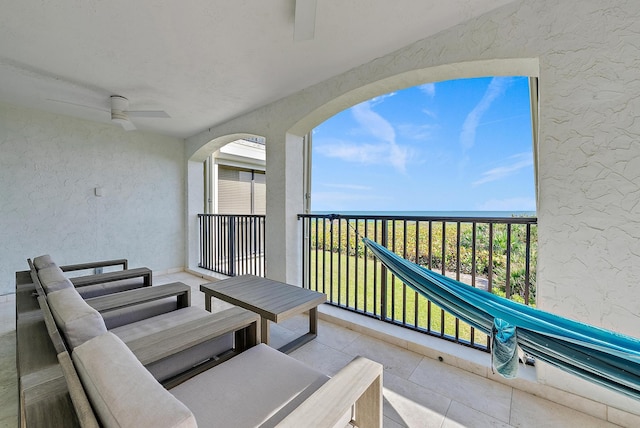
<point>471,390</point>
<point>297,323</point>
<point>335,336</point>
<point>460,416</point>
<point>398,361</point>
<point>280,336</point>
<point>412,405</point>
<point>531,411</point>
<point>390,423</point>
<point>321,357</point>
<point>624,418</point>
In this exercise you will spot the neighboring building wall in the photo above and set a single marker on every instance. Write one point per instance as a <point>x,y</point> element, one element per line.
<point>588,54</point>
<point>49,168</point>
<point>240,165</point>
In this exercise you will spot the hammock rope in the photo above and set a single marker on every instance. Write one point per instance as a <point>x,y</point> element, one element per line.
<point>601,356</point>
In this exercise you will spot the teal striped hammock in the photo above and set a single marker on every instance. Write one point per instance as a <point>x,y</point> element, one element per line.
<point>598,355</point>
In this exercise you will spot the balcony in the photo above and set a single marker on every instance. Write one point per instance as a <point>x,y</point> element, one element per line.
<point>427,382</point>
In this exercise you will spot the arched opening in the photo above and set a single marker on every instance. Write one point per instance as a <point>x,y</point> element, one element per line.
<point>227,204</point>
<point>365,183</point>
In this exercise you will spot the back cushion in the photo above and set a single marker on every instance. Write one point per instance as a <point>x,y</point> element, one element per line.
<point>77,320</point>
<point>52,279</point>
<point>43,261</point>
<point>122,392</point>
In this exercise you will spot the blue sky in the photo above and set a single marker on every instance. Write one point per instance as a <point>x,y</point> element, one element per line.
<point>458,145</point>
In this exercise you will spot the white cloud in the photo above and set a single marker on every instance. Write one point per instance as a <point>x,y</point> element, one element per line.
<point>379,99</point>
<point>428,88</point>
<point>385,152</point>
<point>509,204</point>
<point>372,122</point>
<point>494,90</point>
<point>514,164</point>
<point>370,154</point>
<point>430,113</point>
<point>416,132</point>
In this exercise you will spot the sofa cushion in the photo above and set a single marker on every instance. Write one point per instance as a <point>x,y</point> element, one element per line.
<point>77,320</point>
<point>181,361</point>
<point>137,312</point>
<point>52,279</point>
<point>96,290</point>
<point>261,386</point>
<point>122,392</point>
<point>43,261</point>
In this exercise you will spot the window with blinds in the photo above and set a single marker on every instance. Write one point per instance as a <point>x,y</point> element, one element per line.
<point>241,191</point>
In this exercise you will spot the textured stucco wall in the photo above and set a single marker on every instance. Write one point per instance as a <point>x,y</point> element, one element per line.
<point>49,167</point>
<point>587,56</point>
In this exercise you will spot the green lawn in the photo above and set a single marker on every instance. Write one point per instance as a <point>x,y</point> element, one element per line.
<point>350,281</point>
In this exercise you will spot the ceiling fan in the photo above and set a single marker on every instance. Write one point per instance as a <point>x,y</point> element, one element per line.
<point>120,113</point>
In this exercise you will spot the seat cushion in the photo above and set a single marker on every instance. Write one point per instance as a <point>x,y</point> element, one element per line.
<point>121,391</point>
<point>52,279</point>
<point>138,312</point>
<point>182,361</point>
<point>260,387</point>
<point>43,261</point>
<point>77,320</point>
<point>95,290</point>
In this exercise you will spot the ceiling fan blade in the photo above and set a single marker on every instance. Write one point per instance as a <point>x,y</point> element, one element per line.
<point>150,113</point>
<point>77,104</point>
<point>127,125</point>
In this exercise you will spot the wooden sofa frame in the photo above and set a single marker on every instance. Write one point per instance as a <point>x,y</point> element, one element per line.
<point>43,395</point>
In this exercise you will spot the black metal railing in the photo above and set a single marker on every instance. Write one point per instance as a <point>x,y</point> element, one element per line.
<point>496,254</point>
<point>232,244</point>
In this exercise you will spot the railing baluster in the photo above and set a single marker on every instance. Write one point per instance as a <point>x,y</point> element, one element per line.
<point>416,315</point>
<point>507,284</point>
<point>444,272</point>
<point>527,269</point>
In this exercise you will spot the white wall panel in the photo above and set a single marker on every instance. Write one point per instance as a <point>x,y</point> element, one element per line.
<point>49,168</point>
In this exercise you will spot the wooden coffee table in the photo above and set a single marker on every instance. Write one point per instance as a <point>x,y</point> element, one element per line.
<point>272,300</point>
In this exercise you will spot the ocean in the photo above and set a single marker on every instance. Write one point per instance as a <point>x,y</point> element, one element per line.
<point>476,214</point>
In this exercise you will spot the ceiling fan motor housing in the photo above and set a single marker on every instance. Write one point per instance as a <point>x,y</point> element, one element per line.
<point>119,106</point>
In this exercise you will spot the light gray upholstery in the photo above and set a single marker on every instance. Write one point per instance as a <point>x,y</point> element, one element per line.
<point>122,392</point>
<point>95,290</point>
<point>43,261</point>
<point>181,361</point>
<point>77,320</point>
<point>261,386</point>
<point>52,279</point>
<point>135,313</point>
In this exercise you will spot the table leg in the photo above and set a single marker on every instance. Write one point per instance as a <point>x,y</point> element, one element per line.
<point>264,330</point>
<point>207,302</point>
<point>313,320</point>
<point>305,338</point>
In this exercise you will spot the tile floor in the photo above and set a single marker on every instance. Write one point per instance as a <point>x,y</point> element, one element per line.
<point>418,391</point>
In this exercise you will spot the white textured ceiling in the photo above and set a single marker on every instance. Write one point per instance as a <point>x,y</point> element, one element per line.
<point>201,61</point>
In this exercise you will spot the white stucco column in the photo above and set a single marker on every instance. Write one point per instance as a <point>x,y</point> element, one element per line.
<point>195,206</point>
<point>284,202</point>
